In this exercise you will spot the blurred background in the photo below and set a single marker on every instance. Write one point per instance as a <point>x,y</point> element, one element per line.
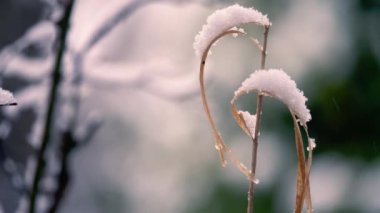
<point>129,133</point>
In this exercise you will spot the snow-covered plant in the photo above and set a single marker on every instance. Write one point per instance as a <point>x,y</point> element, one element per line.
<point>265,82</point>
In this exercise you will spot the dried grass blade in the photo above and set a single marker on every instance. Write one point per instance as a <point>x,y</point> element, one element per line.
<point>307,187</point>
<point>240,120</point>
<point>301,167</point>
<point>308,192</point>
<point>219,144</point>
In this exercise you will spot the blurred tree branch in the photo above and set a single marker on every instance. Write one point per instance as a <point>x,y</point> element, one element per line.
<point>68,138</point>
<point>64,26</point>
<point>110,24</point>
<point>67,144</point>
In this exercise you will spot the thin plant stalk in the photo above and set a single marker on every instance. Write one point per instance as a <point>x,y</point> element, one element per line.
<point>55,82</point>
<point>257,129</point>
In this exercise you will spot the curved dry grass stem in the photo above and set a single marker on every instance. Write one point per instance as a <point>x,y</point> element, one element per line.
<point>219,144</point>
<point>221,147</point>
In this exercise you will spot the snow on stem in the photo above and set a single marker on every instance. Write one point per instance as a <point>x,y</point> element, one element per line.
<point>276,83</point>
<point>220,24</point>
<point>222,20</point>
<point>272,82</point>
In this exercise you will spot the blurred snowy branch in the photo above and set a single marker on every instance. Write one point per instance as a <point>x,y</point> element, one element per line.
<point>136,74</point>
<point>56,78</point>
<point>58,127</point>
<point>110,24</point>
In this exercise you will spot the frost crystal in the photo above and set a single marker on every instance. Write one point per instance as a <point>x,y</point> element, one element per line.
<point>278,84</point>
<point>6,98</point>
<point>250,121</point>
<point>224,19</point>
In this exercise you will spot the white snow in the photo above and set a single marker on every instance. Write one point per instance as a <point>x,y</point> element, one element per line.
<point>312,144</point>
<point>6,97</point>
<point>224,19</point>
<point>276,83</point>
<point>250,121</point>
